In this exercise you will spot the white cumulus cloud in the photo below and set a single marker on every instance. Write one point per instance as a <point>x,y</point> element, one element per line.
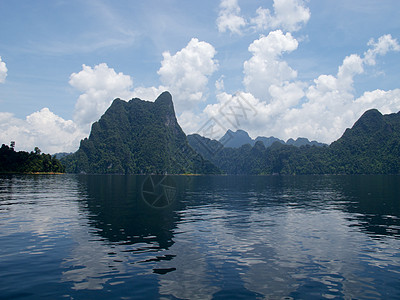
<point>42,129</point>
<point>320,110</point>
<point>185,74</point>
<point>384,44</point>
<point>148,93</point>
<point>229,18</point>
<point>266,67</point>
<point>99,85</point>
<point>3,71</point>
<point>289,15</point>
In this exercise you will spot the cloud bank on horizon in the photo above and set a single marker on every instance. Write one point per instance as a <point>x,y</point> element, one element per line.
<point>284,106</point>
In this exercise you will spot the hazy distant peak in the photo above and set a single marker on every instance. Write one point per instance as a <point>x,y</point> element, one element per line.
<point>240,137</point>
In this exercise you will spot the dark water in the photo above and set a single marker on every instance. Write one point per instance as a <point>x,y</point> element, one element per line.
<point>203,237</point>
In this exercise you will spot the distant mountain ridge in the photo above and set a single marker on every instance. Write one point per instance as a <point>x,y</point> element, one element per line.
<point>371,146</point>
<point>240,137</point>
<point>137,137</point>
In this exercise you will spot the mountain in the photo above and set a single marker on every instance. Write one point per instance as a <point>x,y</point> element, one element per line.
<point>303,142</point>
<point>268,141</point>
<point>240,137</point>
<point>236,139</point>
<point>371,146</point>
<point>204,146</point>
<point>137,137</point>
<point>60,155</point>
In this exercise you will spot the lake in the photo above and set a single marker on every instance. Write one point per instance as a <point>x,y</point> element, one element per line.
<point>199,237</point>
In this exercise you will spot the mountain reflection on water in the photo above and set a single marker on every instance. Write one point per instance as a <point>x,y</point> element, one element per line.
<point>117,208</point>
<point>201,237</point>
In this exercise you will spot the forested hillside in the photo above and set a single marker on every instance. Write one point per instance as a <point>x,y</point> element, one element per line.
<point>12,161</point>
<point>138,137</point>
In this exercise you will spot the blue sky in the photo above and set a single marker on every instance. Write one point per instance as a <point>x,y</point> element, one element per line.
<point>301,68</point>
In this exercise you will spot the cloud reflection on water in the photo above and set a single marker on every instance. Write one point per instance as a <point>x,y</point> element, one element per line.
<point>223,236</point>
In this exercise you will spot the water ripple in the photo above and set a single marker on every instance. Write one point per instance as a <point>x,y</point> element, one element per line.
<point>224,237</point>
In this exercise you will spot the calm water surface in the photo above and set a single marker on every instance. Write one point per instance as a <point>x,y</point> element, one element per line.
<point>199,237</point>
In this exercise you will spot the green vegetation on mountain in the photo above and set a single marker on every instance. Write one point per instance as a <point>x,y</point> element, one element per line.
<point>12,161</point>
<point>240,137</point>
<point>371,146</point>
<point>138,137</point>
